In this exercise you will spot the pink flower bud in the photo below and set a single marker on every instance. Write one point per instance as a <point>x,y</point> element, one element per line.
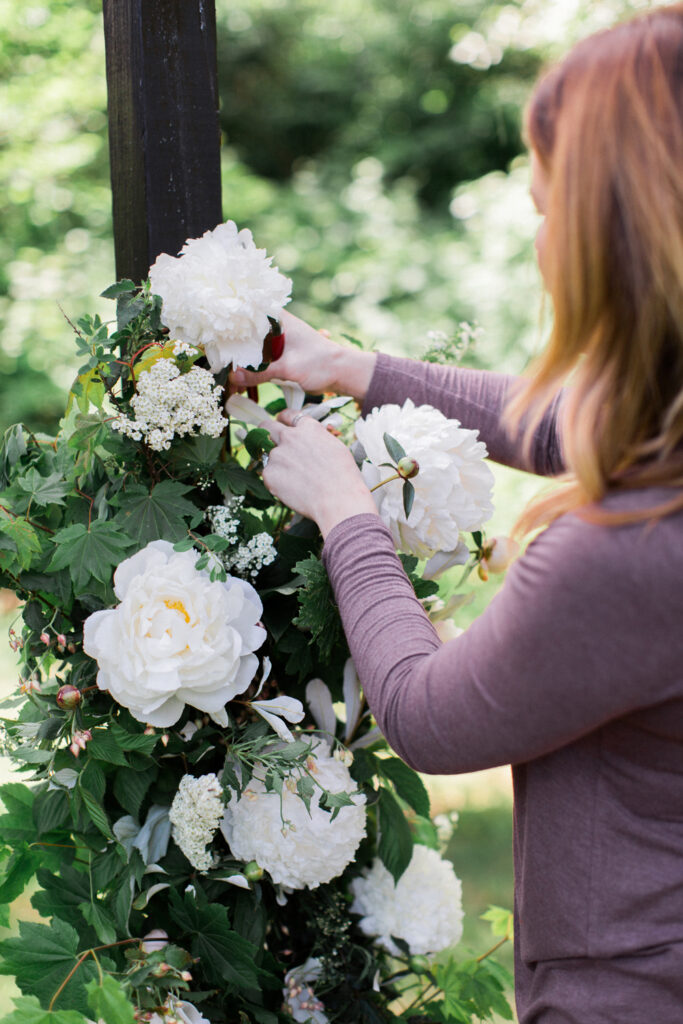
<point>408,467</point>
<point>61,639</point>
<point>69,697</point>
<point>45,639</point>
<point>186,976</point>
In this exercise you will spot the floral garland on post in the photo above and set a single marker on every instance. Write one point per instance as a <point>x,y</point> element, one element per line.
<point>210,842</point>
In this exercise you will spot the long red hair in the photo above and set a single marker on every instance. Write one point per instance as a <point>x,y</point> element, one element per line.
<point>607,127</point>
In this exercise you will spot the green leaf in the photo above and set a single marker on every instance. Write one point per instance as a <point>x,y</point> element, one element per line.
<point>226,956</point>
<point>159,514</point>
<point>318,613</point>
<point>107,1001</point>
<point>41,959</point>
<point>500,920</point>
<point>89,552</point>
<point>103,747</point>
<point>234,478</point>
<point>120,288</point>
<point>133,740</point>
<point>44,490</point>
<point>408,783</point>
<point>51,810</point>
<point>23,536</point>
<point>19,869</point>
<point>96,812</point>
<point>130,789</point>
<point>395,846</point>
<point>29,1011</point>
<point>258,441</point>
<point>408,497</point>
<point>60,895</point>
<point>18,824</point>
<point>102,922</point>
<point>396,450</point>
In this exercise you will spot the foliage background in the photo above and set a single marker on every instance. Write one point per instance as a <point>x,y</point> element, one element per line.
<point>373,147</point>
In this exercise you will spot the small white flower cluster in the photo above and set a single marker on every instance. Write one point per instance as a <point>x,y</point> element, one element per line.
<point>251,557</point>
<point>297,848</point>
<point>224,519</point>
<point>196,813</point>
<point>424,908</point>
<point>169,404</point>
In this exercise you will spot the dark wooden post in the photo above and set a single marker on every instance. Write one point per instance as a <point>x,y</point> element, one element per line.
<point>163,126</point>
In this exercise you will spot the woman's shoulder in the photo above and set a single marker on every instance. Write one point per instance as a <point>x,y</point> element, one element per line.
<point>638,563</point>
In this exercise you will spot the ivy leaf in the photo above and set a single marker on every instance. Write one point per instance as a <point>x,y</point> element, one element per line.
<point>107,1001</point>
<point>17,825</point>
<point>27,1010</point>
<point>89,552</point>
<point>158,514</point>
<point>44,490</point>
<point>60,895</point>
<point>42,957</point>
<point>396,450</point>
<point>408,783</point>
<point>395,846</point>
<point>318,612</point>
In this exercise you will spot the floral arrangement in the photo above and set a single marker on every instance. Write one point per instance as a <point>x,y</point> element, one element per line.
<point>217,831</point>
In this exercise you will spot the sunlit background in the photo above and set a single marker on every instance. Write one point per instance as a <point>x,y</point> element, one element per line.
<point>372,146</point>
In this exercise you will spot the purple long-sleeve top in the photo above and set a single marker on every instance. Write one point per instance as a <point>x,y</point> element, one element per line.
<point>573,674</point>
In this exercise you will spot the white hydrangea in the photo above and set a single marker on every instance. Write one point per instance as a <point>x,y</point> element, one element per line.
<point>424,909</point>
<point>296,848</point>
<point>170,404</point>
<point>196,813</point>
<point>452,488</point>
<point>176,638</point>
<point>219,293</point>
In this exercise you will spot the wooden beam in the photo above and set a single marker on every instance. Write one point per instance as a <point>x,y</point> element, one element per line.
<point>164,135</point>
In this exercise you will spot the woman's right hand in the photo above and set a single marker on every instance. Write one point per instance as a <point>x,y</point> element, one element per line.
<point>314,361</point>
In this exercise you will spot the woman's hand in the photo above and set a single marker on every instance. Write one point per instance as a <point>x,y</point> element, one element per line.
<point>314,361</point>
<point>313,472</point>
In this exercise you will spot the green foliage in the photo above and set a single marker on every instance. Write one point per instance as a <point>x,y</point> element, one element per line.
<point>27,1010</point>
<point>318,613</point>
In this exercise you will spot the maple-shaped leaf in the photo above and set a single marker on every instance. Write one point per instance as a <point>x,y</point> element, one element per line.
<point>89,552</point>
<point>41,958</point>
<point>27,1010</point>
<point>44,490</point>
<point>159,514</point>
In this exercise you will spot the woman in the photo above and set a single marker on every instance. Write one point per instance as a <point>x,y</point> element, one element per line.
<point>574,674</point>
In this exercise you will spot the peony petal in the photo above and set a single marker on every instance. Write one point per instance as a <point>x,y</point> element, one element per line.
<point>352,698</point>
<point>275,723</point>
<point>239,407</point>
<point>320,702</point>
<point>287,707</point>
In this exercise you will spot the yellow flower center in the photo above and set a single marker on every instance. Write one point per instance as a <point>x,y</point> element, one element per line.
<point>177,606</point>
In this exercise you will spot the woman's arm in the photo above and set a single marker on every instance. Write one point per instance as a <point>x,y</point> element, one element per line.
<point>475,397</point>
<point>567,644</point>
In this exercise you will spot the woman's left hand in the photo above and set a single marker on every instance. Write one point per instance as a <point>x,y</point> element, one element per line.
<point>313,472</point>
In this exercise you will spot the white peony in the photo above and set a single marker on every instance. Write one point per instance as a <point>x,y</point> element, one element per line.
<point>452,488</point>
<point>296,848</point>
<point>424,909</point>
<point>219,293</point>
<point>196,813</point>
<point>176,638</point>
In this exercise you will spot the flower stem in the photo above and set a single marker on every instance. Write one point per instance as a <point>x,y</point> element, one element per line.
<point>489,952</point>
<point>396,476</point>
